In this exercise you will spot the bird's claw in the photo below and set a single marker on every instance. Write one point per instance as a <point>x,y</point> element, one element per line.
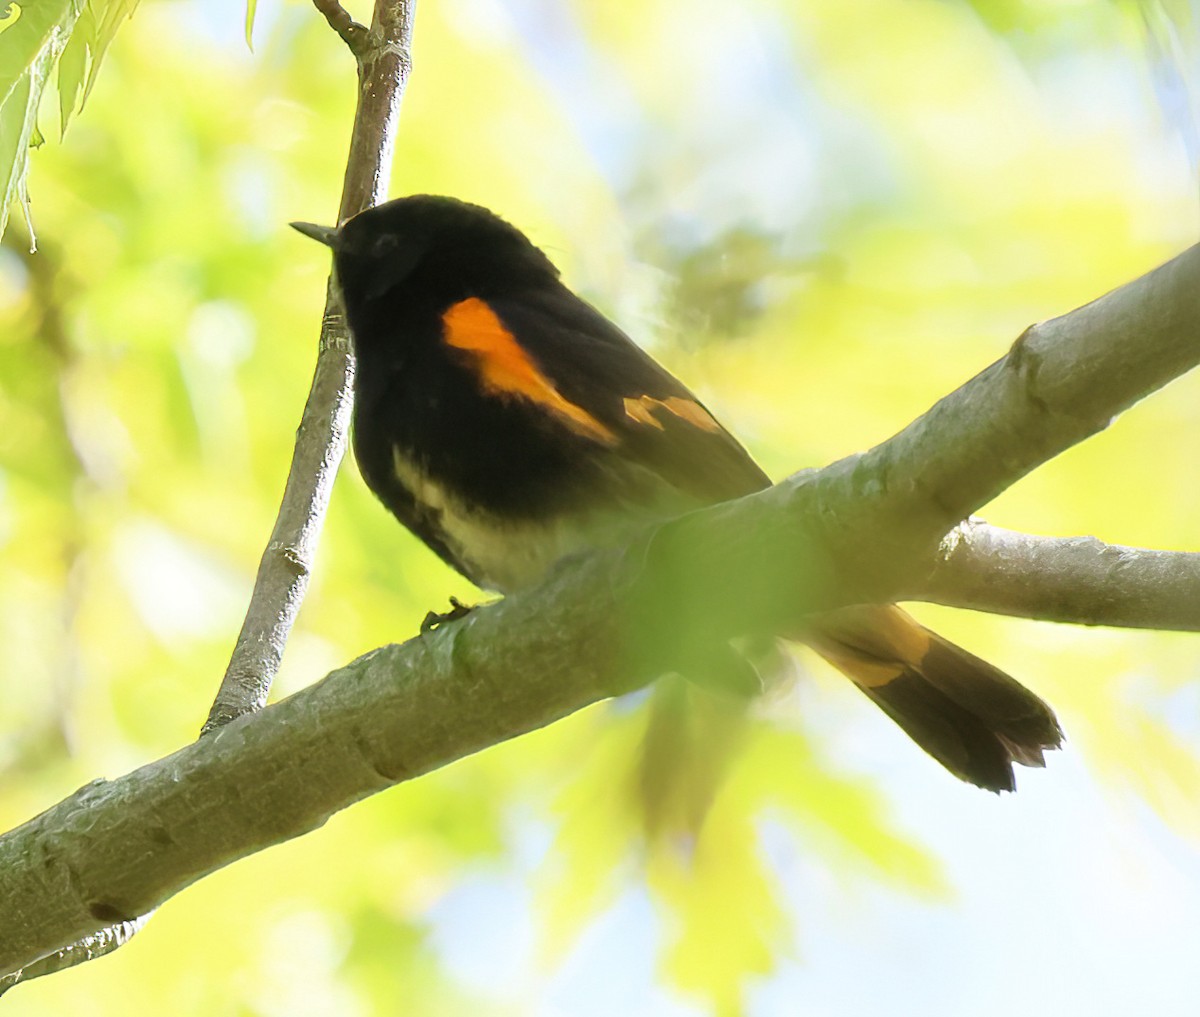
<point>435,619</point>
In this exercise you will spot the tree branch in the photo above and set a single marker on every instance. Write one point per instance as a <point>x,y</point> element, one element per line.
<point>1063,380</point>
<point>354,35</point>
<point>1080,580</point>
<point>282,580</point>
<point>858,530</point>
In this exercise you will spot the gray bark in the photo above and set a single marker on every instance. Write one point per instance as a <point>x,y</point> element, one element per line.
<point>1065,579</point>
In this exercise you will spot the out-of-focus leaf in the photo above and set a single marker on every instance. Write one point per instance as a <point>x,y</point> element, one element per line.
<point>725,923</point>
<point>721,912</point>
<point>645,790</point>
<point>598,834</point>
<point>1173,45</point>
<point>251,7</point>
<point>847,816</point>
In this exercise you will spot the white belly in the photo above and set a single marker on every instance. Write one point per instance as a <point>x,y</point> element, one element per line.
<point>501,554</point>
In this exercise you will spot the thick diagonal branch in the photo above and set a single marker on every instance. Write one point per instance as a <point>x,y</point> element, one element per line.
<point>860,529</point>
<point>881,514</point>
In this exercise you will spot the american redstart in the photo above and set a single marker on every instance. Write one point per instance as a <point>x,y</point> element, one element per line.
<point>508,424</point>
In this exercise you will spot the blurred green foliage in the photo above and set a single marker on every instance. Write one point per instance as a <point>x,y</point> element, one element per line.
<point>873,199</point>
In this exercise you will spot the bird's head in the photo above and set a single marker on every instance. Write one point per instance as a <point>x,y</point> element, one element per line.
<point>428,241</point>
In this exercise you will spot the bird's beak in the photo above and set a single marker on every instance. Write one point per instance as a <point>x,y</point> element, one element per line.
<point>326,235</point>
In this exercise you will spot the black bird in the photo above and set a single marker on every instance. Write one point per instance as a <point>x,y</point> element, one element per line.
<point>508,423</point>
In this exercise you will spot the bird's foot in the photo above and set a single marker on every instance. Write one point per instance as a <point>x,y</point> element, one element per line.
<point>457,610</point>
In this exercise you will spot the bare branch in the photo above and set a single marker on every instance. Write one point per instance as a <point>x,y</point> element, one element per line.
<point>855,531</point>
<point>282,580</point>
<point>1063,380</point>
<point>354,35</point>
<point>1080,580</point>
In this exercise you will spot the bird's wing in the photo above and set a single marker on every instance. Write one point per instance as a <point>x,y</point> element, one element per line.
<point>655,421</point>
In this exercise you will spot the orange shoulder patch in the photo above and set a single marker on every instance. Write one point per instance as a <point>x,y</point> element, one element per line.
<point>642,410</point>
<point>504,368</point>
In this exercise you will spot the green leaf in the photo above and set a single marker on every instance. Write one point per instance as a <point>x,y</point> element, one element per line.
<point>723,917</point>
<point>251,7</point>
<point>72,65</point>
<point>31,46</point>
<point>599,832</point>
<point>106,25</point>
<point>18,129</point>
<point>844,816</point>
<point>42,26</point>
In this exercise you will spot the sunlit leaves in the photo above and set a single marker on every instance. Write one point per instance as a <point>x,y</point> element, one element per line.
<point>725,921</point>
<point>31,30</point>
<point>722,913</point>
<point>599,830</point>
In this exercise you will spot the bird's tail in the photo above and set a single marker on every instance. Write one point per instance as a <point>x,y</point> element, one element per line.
<point>970,716</point>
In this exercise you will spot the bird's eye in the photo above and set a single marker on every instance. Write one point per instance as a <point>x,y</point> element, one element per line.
<point>384,245</point>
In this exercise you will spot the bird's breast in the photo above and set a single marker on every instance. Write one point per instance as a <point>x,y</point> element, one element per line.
<point>496,552</point>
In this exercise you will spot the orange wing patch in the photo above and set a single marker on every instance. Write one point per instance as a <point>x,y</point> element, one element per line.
<point>638,410</point>
<point>506,369</point>
<point>642,410</point>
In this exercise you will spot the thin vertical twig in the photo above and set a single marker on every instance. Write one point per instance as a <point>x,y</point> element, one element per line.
<point>383,59</point>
